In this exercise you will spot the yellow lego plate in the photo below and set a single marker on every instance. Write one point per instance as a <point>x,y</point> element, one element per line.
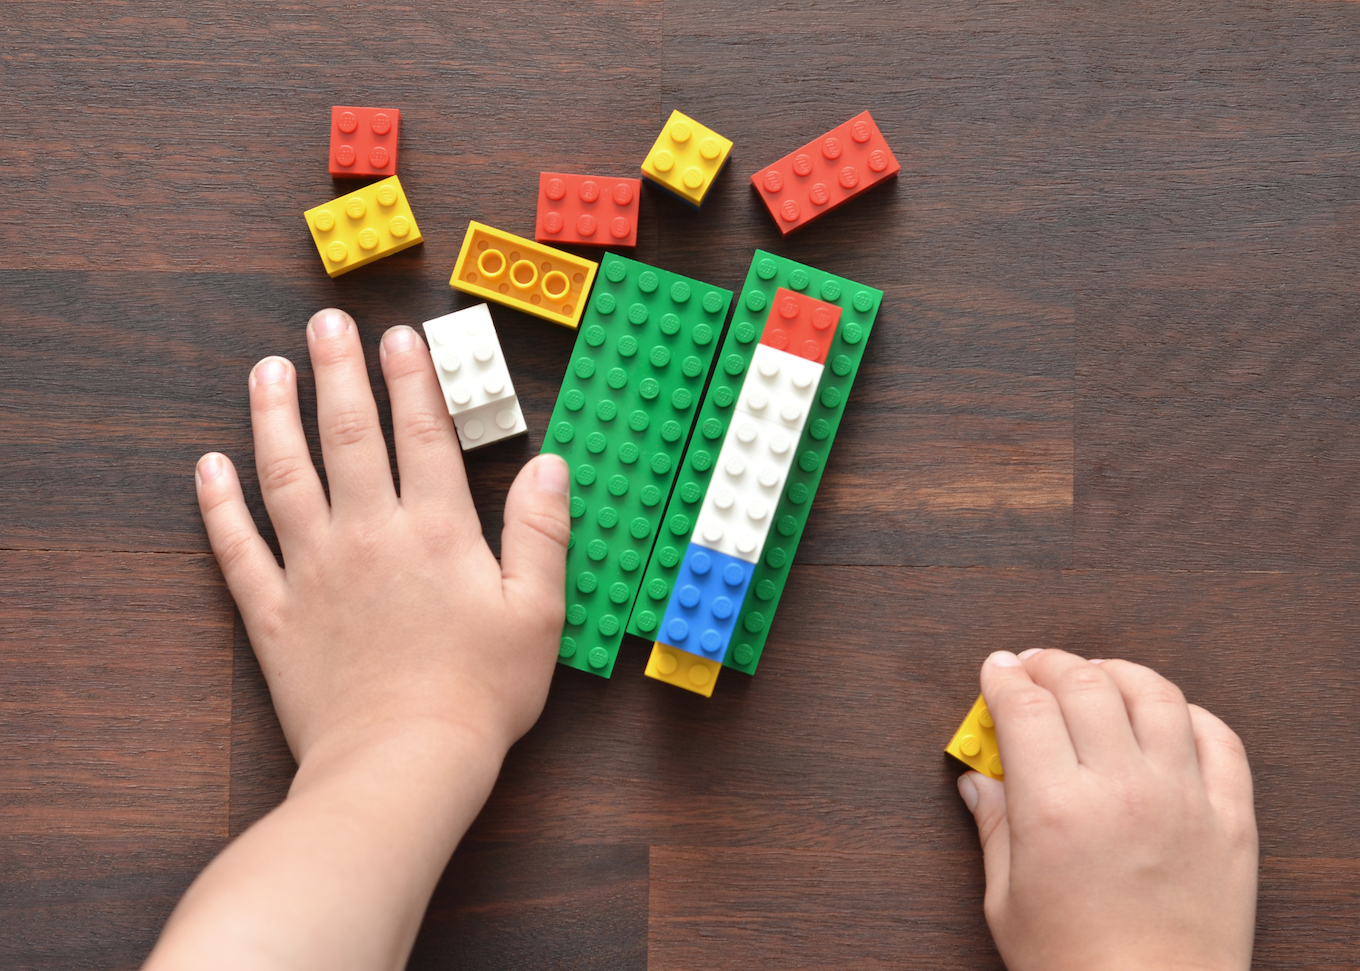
<point>523,274</point>
<point>974,744</point>
<point>686,158</point>
<point>682,669</point>
<point>363,226</point>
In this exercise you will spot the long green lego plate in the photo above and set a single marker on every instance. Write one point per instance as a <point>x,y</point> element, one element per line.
<point>859,306</point>
<point>623,415</point>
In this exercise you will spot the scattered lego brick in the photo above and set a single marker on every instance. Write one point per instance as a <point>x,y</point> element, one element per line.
<point>623,415</point>
<point>589,210</point>
<point>779,388</point>
<point>747,479</point>
<point>826,172</point>
<point>683,670</point>
<point>708,594</point>
<point>686,158</point>
<point>523,274</point>
<point>364,141</point>
<point>800,325</point>
<point>363,226</point>
<point>472,374</point>
<point>974,744</point>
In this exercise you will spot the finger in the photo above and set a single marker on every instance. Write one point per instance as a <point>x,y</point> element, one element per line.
<point>1030,732</point>
<point>1091,705</point>
<point>429,459</point>
<point>288,481</point>
<point>534,540</point>
<point>1157,713</point>
<point>986,800</point>
<point>251,572</point>
<point>1224,768</point>
<point>352,445</point>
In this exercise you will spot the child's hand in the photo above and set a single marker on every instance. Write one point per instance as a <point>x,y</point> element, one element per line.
<point>1124,835</point>
<point>402,658</point>
<point>390,614</point>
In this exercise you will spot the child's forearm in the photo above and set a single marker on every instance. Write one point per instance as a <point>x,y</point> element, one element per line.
<point>339,875</point>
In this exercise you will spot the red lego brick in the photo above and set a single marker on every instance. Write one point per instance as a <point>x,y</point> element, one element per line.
<point>364,141</point>
<point>850,159</point>
<point>587,209</point>
<point>800,325</point>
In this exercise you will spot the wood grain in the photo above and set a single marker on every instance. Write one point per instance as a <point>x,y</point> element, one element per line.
<point>1109,405</point>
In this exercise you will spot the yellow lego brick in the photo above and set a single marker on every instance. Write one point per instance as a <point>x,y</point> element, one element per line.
<point>682,669</point>
<point>363,226</point>
<point>523,274</point>
<point>686,158</point>
<point>974,744</point>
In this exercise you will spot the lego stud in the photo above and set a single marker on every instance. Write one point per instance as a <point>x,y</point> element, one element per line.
<point>848,177</point>
<point>680,132</point>
<point>387,195</point>
<point>399,226</point>
<point>619,227</point>
<point>700,564</point>
<point>345,155</point>
<point>368,238</point>
<point>555,189</point>
<point>589,191</point>
<point>473,430</point>
<point>460,396</point>
<point>709,148</point>
<point>831,147</point>
<point>347,122</point>
<point>494,385</point>
<point>811,350</point>
<point>994,767</point>
<point>585,225</point>
<point>790,411</point>
<point>878,160</point>
<point>735,467</point>
<point>985,718</point>
<point>757,400</point>
<point>451,360</point>
<point>769,477</point>
<point>746,545</point>
<point>382,124</point>
<point>325,221</point>
<point>666,662</point>
<point>553,222</point>
<point>556,285</point>
<point>710,641</point>
<point>713,533</point>
<point>802,380</point>
<point>677,629</point>
<point>780,444</point>
<point>483,353</point>
<point>623,194</point>
<point>859,131</point>
<point>802,164</point>
<point>789,211</point>
<point>970,746</point>
<point>722,608</point>
<point>692,178</point>
<point>699,676</point>
<point>378,158</point>
<point>336,251</point>
<point>774,182</point>
<point>757,511</point>
<point>355,207</point>
<point>723,499</point>
<point>788,308</point>
<point>506,419</point>
<point>663,161</point>
<point>822,318</point>
<point>769,367</point>
<point>819,194</point>
<point>733,575</point>
<point>746,434</point>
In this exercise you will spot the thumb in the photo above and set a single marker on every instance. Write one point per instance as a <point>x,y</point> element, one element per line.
<point>534,540</point>
<point>986,800</point>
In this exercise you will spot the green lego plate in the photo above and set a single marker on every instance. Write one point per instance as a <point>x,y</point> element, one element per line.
<point>859,307</point>
<point>622,418</point>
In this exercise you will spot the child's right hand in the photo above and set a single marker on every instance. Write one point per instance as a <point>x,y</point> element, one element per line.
<point>1124,835</point>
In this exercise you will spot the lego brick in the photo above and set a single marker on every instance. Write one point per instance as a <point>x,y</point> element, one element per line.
<point>686,158</point>
<point>779,388</point>
<point>364,141</point>
<point>801,325</point>
<point>974,744</point>
<point>624,413</point>
<point>826,172</point>
<point>588,210</point>
<point>472,374</point>
<point>523,274</point>
<point>859,305</point>
<point>708,593</point>
<point>747,479</point>
<point>683,670</point>
<point>363,226</point>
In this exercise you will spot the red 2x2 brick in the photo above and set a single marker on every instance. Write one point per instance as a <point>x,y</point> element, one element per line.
<point>364,141</point>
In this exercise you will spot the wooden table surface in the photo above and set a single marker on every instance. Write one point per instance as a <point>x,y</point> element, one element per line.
<point>1110,404</point>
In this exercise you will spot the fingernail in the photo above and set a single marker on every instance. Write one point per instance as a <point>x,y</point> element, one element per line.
<point>968,790</point>
<point>1097,660</point>
<point>1030,653</point>
<point>1003,659</point>
<point>210,467</point>
<point>551,474</point>
<point>399,339</point>
<point>330,323</point>
<point>271,370</point>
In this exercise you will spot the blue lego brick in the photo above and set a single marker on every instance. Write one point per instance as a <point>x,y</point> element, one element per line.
<point>708,596</point>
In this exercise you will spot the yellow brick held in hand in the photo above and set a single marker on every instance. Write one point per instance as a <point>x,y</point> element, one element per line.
<point>363,226</point>
<point>974,744</point>
<point>686,158</point>
<point>682,669</point>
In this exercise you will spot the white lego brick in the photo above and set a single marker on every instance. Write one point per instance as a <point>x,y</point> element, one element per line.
<point>468,359</point>
<point>489,423</point>
<point>779,387</point>
<point>743,493</point>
